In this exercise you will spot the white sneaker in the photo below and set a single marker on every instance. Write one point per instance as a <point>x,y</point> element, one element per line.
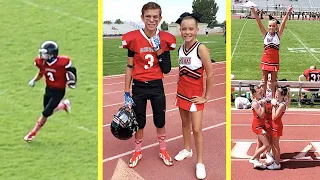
<point>68,105</point>
<point>269,159</point>
<point>257,164</point>
<point>183,154</point>
<point>274,166</point>
<point>200,171</point>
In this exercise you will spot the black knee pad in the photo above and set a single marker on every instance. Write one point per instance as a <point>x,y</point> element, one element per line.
<point>47,112</point>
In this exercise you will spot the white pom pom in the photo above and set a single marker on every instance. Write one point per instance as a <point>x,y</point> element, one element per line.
<point>274,102</point>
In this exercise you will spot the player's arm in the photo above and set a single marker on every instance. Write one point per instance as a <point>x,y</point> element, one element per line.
<point>276,112</point>
<point>262,29</point>
<point>206,61</point>
<point>128,101</point>
<point>164,61</point>
<point>129,68</point>
<point>37,77</point>
<point>163,55</point>
<point>71,76</point>
<point>283,24</point>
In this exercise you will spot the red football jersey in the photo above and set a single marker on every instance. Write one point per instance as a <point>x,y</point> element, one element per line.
<point>312,75</point>
<point>54,72</point>
<point>145,60</point>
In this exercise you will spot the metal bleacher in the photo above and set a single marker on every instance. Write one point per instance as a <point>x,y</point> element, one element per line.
<point>273,5</point>
<point>117,29</point>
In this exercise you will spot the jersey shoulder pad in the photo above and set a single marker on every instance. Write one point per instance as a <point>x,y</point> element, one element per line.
<point>169,39</point>
<point>64,61</point>
<point>38,62</point>
<point>129,38</point>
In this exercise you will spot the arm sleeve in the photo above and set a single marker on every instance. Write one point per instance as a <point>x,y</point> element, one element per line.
<point>165,62</point>
<point>130,53</point>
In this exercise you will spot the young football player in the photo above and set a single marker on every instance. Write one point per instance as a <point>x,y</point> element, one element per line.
<point>148,59</point>
<point>58,72</point>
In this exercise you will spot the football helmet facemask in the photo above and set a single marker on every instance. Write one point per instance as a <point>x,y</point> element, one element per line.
<point>49,51</point>
<point>124,124</point>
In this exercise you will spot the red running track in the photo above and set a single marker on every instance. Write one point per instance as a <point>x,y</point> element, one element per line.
<point>116,153</point>
<point>300,146</point>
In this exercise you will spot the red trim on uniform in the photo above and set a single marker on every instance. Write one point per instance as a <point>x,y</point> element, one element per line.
<point>185,51</point>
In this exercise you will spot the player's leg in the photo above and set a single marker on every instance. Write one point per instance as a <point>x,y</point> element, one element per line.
<point>64,105</point>
<point>196,119</point>
<point>51,100</point>
<point>138,96</point>
<point>186,132</point>
<point>158,104</point>
<point>264,81</point>
<point>273,81</point>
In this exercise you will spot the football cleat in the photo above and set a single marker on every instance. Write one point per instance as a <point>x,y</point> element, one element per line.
<point>136,156</point>
<point>29,136</point>
<point>165,157</point>
<point>67,103</point>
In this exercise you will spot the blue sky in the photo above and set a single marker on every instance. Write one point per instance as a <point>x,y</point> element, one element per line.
<point>171,9</point>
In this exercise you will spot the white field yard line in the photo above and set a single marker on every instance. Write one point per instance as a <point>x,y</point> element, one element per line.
<point>235,47</point>
<point>174,109</point>
<point>304,45</point>
<point>175,68</point>
<point>55,10</point>
<point>109,105</point>
<point>155,144</point>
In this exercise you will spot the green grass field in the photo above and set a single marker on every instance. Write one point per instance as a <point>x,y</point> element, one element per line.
<point>66,147</point>
<point>299,49</point>
<point>115,57</point>
<point>294,57</point>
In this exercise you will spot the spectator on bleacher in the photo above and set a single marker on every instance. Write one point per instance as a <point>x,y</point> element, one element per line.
<point>206,30</point>
<point>313,75</point>
<point>270,58</point>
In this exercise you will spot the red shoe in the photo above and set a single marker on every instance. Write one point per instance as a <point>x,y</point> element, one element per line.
<point>165,157</point>
<point>29,136</point>
<point>136,156</point>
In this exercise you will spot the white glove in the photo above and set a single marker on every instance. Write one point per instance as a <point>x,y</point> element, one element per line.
<point>32,82</point>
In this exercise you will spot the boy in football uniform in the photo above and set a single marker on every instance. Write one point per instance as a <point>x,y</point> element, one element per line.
<point>148,59</point>
<point>58,72</point>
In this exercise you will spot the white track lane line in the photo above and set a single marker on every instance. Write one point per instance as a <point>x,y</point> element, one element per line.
<point>109,105</point>
<point>174,109</point>
<point>155,144</point>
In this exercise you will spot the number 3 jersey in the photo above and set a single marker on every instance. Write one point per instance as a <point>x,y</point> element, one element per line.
<point>55,72</point>
<point>146,65</point>
<point>312,74</point>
